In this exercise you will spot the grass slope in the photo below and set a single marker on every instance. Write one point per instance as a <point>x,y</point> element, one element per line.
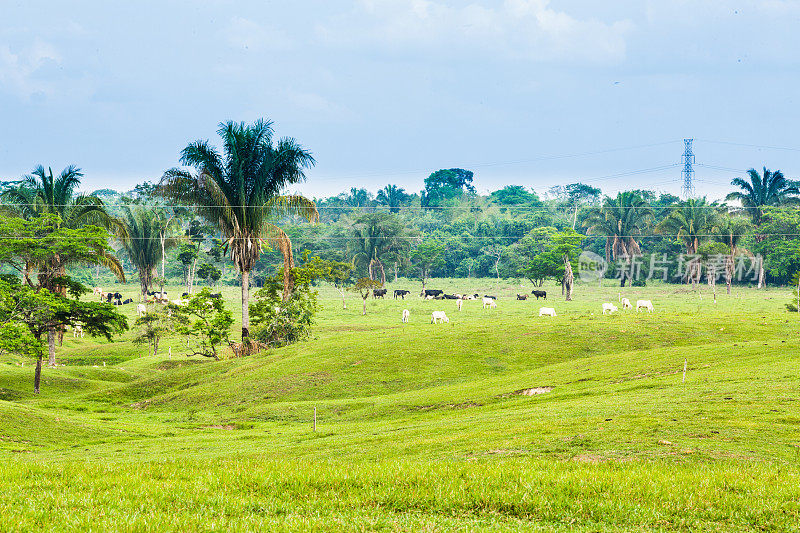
<point>419,426</point>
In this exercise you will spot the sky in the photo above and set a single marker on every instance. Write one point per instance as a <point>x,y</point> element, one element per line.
<point>528,92</point>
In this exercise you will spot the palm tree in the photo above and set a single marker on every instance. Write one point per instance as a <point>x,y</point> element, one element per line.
<point>41,193</point>
<point>392,196</point>
<point>691,223</point>
<point>377,237</point>
<point>621,220</point>
<point>145,239</point>
<point>241,191</point>
<point>768,189</point>
<point>730,231</point>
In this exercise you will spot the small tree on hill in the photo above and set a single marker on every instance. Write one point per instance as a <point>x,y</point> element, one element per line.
<point>151,327</point>
<point>206,320</point>
<point>364,287</point>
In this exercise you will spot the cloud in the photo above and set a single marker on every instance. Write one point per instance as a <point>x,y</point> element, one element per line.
<point>245,33</point>
<point>18,70</point>
<point>527,29</point>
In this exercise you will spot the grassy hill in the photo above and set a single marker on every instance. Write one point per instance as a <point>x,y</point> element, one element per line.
<point>423,426</point>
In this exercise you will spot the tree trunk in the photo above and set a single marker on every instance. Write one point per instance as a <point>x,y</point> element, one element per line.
<point>155,346</point>
<point>37,376</point>
<point>285,246</point>
<point>344,304</point>
<point>395,271</point>
<point>364,309</point>
<point>51,346</point>
<point>245,304</point>
<point>383,272</point>
<point>729,272</point>
<point>568,278</point>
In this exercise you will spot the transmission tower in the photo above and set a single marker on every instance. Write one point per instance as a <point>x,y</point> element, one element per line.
<point>687,190</point>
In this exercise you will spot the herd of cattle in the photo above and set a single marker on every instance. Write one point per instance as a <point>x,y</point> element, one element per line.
<point>490,302</point>
<point>152,298</point>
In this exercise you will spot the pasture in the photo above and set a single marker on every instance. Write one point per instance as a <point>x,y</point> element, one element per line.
<point>498,420</point>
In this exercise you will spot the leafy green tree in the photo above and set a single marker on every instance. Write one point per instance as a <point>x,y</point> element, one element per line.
<point>244,198</point>
<point>778,246</point>
<point>40,311</point>
<point>153,326</point>
<point>621,220</point>
<point>359,198</point>
<point>764,190</point>
<point>444,185</point>
<point>205,320</point>
<point>393,197</point>
<point>209,272</point>
<point>515,195</point>
<point>278,323</point>
<point>144,240</point>
<point>557,261</point>
<point>187,255</point>
<point>426,256</point>
<point>41,249</point>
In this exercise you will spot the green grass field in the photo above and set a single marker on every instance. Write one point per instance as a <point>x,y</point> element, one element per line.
<point>421,427</point>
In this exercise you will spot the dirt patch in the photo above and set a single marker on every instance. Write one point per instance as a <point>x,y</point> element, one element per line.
<point>228,427</point>
<point>589,458</point>
<point>533,391</point>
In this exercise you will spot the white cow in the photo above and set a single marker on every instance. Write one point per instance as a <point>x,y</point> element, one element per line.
<point>97,291</point>
<point>489,302</point>
<point>458,303</point>
<point>626,304</point>
<point>406,315</point>
<point>438,317</point>
<point>77,331</point>
<point>644,304</point>
<point>610,308</point>
<point>141,309</point>
<point>547,311</point>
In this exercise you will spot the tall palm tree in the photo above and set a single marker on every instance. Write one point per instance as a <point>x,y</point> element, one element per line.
<point>377,237</point>
<point>241,190</point>
<point>145,239</point>
<point>621,220</point>
<point>768,189</point>
<point>731,230</point>
<point>392,196</point>
<point>41,193</point>
<point>692,223</point>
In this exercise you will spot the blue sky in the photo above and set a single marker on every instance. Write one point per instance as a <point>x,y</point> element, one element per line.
<point>530,92</point>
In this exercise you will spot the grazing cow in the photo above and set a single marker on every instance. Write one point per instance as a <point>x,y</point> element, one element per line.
<point>379,293</point>
<point>492,297</point>
<point>109,296</point>
<point>626,304</point>
<point>644,304</point>
<point>488,302</point>
<point>401,293</point>
<point>547,311</point>
<point>438,317</point>
<point>141,309</point>
<point>406,316</point>
<point>522,296</point>
<point>540,294</point>
<point>430,292</point>
<point>610,308</point>
<point>77,331</point>
<point>216,295</point>
<point>458,303</point>
<point>128,301</point>
<point>184,295</point>
<point>450,297</point>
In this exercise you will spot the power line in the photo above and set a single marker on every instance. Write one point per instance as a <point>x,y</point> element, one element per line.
<point>765,147</point>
